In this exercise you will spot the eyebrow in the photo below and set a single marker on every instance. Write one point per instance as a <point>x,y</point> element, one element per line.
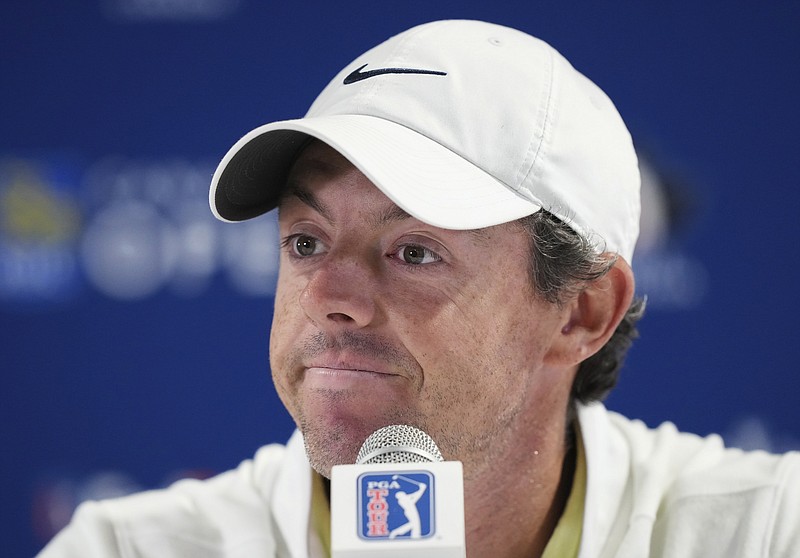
<point>392,214</point>
<point>294,189</point>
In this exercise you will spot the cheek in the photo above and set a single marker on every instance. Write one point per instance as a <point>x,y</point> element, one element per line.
<point>283,332</point>
<point>482,343</point>
<point>459,346</point>
<point>287,309</point>
<point>280,318</point>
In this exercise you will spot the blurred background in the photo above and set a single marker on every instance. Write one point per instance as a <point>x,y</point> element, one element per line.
<point>133,327</point>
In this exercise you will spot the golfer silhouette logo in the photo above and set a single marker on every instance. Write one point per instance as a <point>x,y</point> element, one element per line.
<point>396,505</point>
<point>408,502</point>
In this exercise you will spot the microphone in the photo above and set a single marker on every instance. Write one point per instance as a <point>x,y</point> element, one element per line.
<point>399,500</point>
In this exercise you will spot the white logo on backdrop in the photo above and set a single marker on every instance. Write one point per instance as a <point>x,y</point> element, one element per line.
<point>153,229</point>
<point>129,229</point>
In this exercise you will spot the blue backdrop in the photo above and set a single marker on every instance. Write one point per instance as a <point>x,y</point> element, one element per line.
<point>133,328</point>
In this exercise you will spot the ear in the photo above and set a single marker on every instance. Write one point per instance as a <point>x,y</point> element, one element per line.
<point>594,314</point>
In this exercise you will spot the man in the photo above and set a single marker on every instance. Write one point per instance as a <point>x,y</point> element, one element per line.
<point>458,212</point>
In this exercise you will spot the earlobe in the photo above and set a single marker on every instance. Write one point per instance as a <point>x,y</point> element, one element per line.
<point>596,312</point>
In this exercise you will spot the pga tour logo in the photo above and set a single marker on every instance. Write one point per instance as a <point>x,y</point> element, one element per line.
<point>396,505</point>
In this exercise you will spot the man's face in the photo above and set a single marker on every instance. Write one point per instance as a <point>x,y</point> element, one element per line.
<point>382,319</point>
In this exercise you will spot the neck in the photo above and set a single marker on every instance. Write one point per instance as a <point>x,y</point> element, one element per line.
<point>513,508</point>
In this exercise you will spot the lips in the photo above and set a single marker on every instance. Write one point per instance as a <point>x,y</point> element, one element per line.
<point>353,373</point>
<point>352,360</point>
<point>343,363</point>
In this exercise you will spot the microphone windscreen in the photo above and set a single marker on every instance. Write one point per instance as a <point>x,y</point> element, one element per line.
<point>398,443</point>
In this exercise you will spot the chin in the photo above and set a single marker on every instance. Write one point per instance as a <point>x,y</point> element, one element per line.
<point>335,438</point>
<point>329,445</point>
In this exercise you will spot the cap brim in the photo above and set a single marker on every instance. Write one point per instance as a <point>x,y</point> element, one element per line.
<point>424,178</point>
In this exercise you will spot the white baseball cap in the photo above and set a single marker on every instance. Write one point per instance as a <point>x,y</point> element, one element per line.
<point>464,125</point>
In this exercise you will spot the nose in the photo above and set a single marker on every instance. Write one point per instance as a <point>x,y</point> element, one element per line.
<point>340,293</point>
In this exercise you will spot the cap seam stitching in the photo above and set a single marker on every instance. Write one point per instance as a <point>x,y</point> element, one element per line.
<point>532,167</point>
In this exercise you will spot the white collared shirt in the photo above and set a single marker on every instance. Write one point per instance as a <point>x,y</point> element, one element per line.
<point>656,493</point>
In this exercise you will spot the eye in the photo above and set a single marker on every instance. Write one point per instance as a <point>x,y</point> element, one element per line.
<point>416,255</point>
<point>303,245</point>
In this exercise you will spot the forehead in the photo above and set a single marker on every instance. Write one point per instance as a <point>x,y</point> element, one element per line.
<point>317,165</point>
<point>318,158</point>
<point>320,163</point>
<point>320,169</point>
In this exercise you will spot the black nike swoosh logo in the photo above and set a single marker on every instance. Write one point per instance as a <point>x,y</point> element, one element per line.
<point>357,75</point>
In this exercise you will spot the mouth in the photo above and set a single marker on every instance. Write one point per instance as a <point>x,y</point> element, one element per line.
<point>341,372</point>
